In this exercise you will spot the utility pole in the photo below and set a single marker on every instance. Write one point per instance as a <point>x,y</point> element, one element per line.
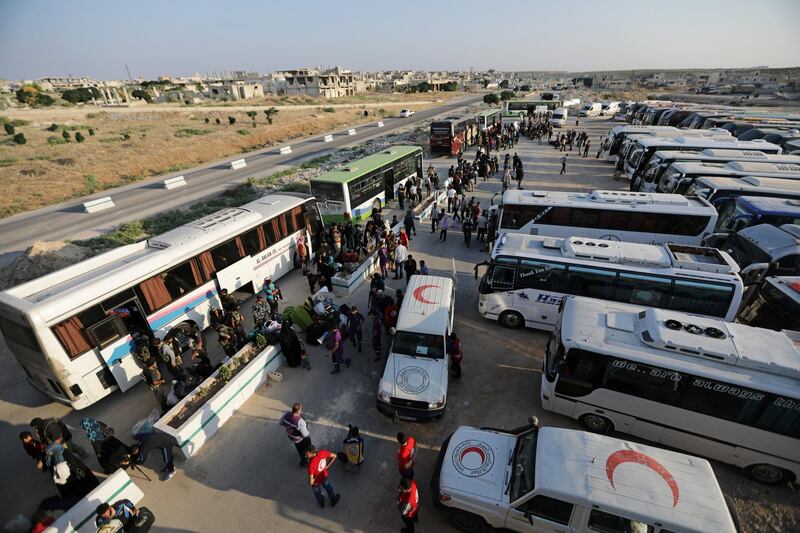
<point>130,78</point>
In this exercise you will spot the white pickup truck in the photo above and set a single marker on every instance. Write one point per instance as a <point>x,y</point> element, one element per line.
<point>551,480</point>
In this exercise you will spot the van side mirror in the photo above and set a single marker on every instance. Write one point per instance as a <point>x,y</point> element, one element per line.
<point>533,421</point>
<point>754,273</point>
<point>529,516</point>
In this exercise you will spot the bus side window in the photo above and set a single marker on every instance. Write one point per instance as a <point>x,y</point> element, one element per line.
<point>254,241</point>
<point>611,523</point>
<point>698,297</point>
<point>502,278</point>
<point>642,290</point>
<point>271,231</point>
<point>580,373</point>
<point>226,254</point>
<point>591,282</point>
<point>540,275</point>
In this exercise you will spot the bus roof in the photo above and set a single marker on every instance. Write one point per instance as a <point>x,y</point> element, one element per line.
<point>356,169</point>
<point>69,289</point>
<point>706,142</point>
<point>759,168</point>
<point>617,475</point>
<point>621,200</point>
<point>488,112</point>
<point>684,342</point>
<point>785,207</point>
<point>732,183</point>
<point>755,168</point>
<point>426,305</point>
<point>674,257</point>
<point>631,128</point>
<point>777,242</point>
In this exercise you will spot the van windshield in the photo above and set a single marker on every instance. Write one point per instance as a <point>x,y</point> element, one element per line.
<point>524,460</point>
<point>419,344</point>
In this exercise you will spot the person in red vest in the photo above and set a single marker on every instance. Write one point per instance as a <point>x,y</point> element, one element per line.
<point>406,455</point>
<point>408,503</point>
<point>318,464</point>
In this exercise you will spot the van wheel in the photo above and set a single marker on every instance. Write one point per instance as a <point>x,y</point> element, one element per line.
<point>766,474</point>
<point>511,319</point>
<point>464,521</point>
<point>596,423</point>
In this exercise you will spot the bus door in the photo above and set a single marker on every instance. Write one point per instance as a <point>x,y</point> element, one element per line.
<point>238,275</point>
<point>114,338</point>
<point>388,183</point>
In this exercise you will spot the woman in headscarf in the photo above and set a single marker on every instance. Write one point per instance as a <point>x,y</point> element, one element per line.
<point>291,345</point>
<point>103,441</point>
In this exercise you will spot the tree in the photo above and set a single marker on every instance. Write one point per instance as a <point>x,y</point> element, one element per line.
<point>79,137</point>
<point>270,113</point>
<point>91,132</point>
<point>525,88</point>
<point>43,100</point>
<point>9,128</point>
<point>491,98</point>
<point>81,94</point>
<point>218,122</point>
<point>504,84</point>
<point>506,95</point>
<point>231,120</point>
<point>52,127</point>
<point>126,136</point>
<point>142,95</point>
<point>27,94</point>
<point>65,134</point>
<point>207,120</point>
<point>19,138</point>
<point>423,87</point>
<point>252,115</point>
<point>450,86</point>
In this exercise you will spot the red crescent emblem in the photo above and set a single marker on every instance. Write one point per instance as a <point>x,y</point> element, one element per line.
<point>473,449</point>
<point>419,293</point>
<point>630,456</point>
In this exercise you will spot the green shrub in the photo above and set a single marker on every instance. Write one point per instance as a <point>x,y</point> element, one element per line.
<point>329,109</point>
<point>19,138</point>
<point>79,137</point>
<point>225,373</point>
<point>126,136</point>
<point>243,132</point>
<point>55,140</point>
<point>9,128</point>
<point>65,135</point>
<point>270,113</point>
<point>91,183</point>
<point>231,120</point>
<point>7,162</point>
<point>207,120</point>
<point>190,132</point>
<point>218,122</point>
<point>491,98</point>
<point>53,127</point>
<point>91,132</point>
<point>142,95</point>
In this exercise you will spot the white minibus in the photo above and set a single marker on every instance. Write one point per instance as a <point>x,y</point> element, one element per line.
<point>415,378</point>
<point>680,175</point>
<point>724,390</point>
<point>590,110</point>
<point>559,117</point>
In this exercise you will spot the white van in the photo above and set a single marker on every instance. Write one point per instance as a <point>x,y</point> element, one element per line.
<point>609,109</point>
<point>414,382</point>
<point>559,117</point>
<point>552,479</point>
<point>591,110</point>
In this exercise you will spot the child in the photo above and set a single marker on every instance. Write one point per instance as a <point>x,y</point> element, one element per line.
<point>33,447</point>
<point>423,268</point>
<point>304,363</point>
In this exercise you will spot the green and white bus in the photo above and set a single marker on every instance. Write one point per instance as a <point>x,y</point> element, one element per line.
<point>516,108</point>
<point>365,184</point>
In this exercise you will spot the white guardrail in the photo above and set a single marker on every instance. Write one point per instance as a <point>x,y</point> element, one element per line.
<point>174,183</point>
<point>328,138</point>
<point>380,124</point>
<point>351,131</point>
<point>100,204</point>
<point>285,150</point>
<point>237,164</point>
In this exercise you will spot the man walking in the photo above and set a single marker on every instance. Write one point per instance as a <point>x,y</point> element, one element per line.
<point>451,194</point>
<point>408,503</point>
<point>355,323</point>
<point>444,225</point>
<point>410,266</point>
<point>260,311</point>
<point>563,164</point>
<point>271,291</point>
<point>586,148</point>
<point>400,256</point>
<point>297,431</point>
<point>157,383</point>
<point>318,464</point>
<point>467,229</point>
<point>406,455</point>
<point>434,218</point>
<point>337,349</point>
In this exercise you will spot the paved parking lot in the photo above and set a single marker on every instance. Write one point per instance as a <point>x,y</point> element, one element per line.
<point>247,477</point>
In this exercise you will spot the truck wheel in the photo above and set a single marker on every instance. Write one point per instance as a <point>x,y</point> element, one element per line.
<point>512,319</point>
<point>596,423</point>
<point>766,474</point>
<point>464,521</point>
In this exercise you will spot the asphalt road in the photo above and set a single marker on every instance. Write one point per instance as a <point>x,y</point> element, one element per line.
<point>68,220</point>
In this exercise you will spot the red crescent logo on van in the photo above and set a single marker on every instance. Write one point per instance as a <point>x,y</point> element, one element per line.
<point>473,458</point>
<point>630,456</point>
<point>419,293</point>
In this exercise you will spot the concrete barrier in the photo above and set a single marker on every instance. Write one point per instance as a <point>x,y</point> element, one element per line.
<point>285,150</point>
<point>328,138</point>
<point>100,204</point>
<point>351,131</point>
<point>80,517</point>
<point>239,163</point>
<point>380,124</point>
<point>174,183</point>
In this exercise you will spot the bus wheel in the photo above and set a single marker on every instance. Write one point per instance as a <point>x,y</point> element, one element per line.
<point>512,319</point>
<point>766,474</point>
<point>464,521</point>
<point>596,423</point>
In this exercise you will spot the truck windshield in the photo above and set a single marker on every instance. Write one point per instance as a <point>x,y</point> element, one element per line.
<point>419,344</point>
<point>524,461</point>
<point>745,252</point>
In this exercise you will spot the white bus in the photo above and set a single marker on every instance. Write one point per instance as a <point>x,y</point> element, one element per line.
<point>529,275</point>
<point>680,175</point>
<point>654,170</point>
<point>719,190</point>
<point>679,380</point>
<point>640,155</point>
<point>611,215</point>
<point>73,331</point>
<point>612,143</point>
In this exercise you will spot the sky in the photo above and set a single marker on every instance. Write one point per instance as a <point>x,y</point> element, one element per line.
<point>40,38</point>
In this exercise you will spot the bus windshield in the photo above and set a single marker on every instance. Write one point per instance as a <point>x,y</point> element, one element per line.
<point>419,344</point>
<point>773,309</point>
<point>745,252</point>
<point>327,191</point>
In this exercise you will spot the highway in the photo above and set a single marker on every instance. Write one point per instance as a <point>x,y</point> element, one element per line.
<point>69,221</point>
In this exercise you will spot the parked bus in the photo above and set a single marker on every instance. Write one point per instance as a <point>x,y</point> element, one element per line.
<point>619,134</point>
<point>611,215</point>
<point>655,168</point>
<point>679,380</point>
<point>677,177</point>
<point>453,134</point>
<point>640,155</point>
<point>517,108</point>
<point>718,190</point>
<point>776,306</point>
<point>489,119</point>
<point>529,275</point>
<point>366,184</point>
<point>746,211</point>
<point>74,331</point>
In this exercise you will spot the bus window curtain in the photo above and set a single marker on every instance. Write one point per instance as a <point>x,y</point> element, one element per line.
<point>155,292</point>
<point>207,264</point>
<point>262,241</point>
<point>72,336</point>
<point>198,277</point>
<point>276,229</point>
<point>240,247</point>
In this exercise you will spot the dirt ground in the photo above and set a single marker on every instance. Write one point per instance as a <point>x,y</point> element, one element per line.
<point>129,144</point>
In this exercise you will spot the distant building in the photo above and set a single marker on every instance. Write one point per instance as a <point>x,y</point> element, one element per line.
<point>236,89</point>
<point>333,83</point>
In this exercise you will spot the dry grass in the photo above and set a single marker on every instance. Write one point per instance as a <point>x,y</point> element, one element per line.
<point>131,146</point>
